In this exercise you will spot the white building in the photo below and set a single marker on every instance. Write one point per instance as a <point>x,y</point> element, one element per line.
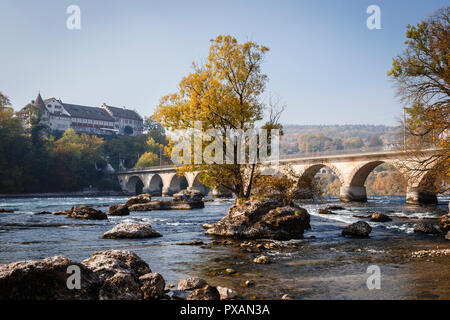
<point>106,120</point>
<point>125,118</point>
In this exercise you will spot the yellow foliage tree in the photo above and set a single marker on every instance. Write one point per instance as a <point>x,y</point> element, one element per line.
<point>148,159</point>
<point>224,94</point>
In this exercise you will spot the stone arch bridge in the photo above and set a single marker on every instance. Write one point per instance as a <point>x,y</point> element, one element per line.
<point>351,169</point>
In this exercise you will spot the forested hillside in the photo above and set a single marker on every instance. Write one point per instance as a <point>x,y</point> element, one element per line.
<point>319,138</point>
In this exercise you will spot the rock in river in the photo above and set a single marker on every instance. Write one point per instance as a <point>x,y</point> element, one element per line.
<point>184,200</point>
<point>131,230</point>
<point>325,211</point>
<point>43,212</point>
<point>85,212</point>
<point>167,205</point>
<point>124,276</point>
<point>379,217</point>
<point>46,280</point>
<point>335,208</point>
<point>357,229</point>
<point>257,219</point>
<point>188,196</point>
<point>444,223</point>
<point>118,210</point>
<point>427,228</point>
<point>142,198</point>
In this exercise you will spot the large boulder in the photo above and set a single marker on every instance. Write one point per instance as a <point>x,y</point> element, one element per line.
<point>262,219</point>
<point>46,280</point>
<point>142,198</point>
<point>106,275</point>
<point>358,229</point>
<point>444,223</point>
<point>131,230</point>
<point>108,263</point>
<point>167,205</point>
<point>379,217</point>
<point>118,210</point>
<point>188,196</point>
<point>120,272</point>
<point>84,212</point>
<point>427,228</point>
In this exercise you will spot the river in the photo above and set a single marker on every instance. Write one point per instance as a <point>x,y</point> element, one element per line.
<point>323,265</point>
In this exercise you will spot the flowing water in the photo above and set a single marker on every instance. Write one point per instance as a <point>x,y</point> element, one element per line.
<point>323,265</point>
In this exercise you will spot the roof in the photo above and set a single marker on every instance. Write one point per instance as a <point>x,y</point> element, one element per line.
<point>85,112</point>
<point>39,100</point>
<point>124,113</point>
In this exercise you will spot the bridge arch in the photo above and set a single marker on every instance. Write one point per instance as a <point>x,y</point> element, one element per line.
<point>423,186</point>
<point>134,185</point>
<point>173,184</point>
<point>155,185</point>
<point>355,190</point>
<point>197,185</point>
<point>308,173</point>
<point>311,171</point>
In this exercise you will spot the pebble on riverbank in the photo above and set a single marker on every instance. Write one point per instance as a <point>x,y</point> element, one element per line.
<point>262,260</point>
<point>430,253</point>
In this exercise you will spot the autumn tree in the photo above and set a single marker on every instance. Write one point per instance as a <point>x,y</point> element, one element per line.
<point>148,159</point>
<point>4,101</point>
<point>422,77</point>
<point>223,94</point>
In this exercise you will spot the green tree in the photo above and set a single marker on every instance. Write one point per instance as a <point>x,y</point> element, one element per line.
<point>155,130</point>
<point>4,101</point>
<point>422,77</point>
<point>15,156</point>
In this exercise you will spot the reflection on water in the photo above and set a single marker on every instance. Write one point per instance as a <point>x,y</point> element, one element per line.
<point>324,265</point>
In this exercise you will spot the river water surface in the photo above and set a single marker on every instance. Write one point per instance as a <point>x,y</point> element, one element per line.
<point>323,265</point>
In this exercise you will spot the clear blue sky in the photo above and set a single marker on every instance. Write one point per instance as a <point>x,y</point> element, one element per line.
<point>323,61</point>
